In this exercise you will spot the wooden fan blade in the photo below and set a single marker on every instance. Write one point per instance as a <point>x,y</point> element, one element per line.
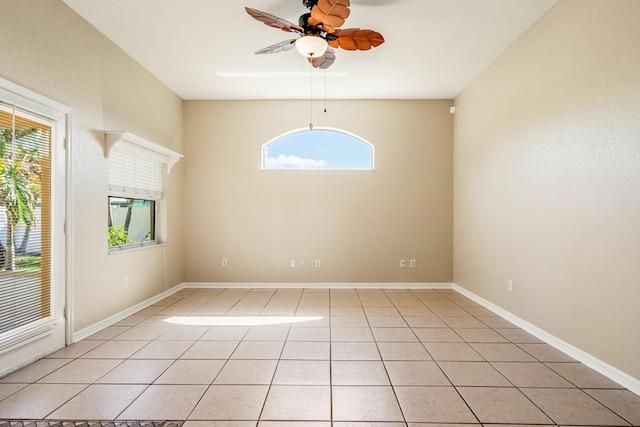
<point>357,39</point>
<point>330,14</point>
<point>325,61</point>
<point>274,21</point>
<point>278,47</point>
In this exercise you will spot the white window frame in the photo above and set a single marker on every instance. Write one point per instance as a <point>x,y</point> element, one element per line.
<point>126,142</point>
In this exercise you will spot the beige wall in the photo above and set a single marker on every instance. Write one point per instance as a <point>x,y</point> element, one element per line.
<point>47,48</point>
<point>358,223</point>
<point>547,178</point>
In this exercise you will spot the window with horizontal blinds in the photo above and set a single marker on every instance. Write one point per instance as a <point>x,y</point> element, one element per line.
<point>135,185</point>
<point>25,222</point>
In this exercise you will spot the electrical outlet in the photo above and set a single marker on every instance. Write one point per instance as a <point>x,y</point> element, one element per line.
<point>317,263</point>
<point>225,262</point>
<point>293,263</point>
<point>510,285</point>
<point>403,263</point>
<point>301,263</point>
<point>126,282</point>
<point>413,263</point>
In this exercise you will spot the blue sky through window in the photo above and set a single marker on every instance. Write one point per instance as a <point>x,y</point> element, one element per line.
<point>318,149</point>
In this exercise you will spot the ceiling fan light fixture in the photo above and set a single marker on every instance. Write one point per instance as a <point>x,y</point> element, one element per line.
<point>311,46</point>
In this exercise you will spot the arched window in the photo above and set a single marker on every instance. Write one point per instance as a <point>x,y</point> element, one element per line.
<point>317,149</point>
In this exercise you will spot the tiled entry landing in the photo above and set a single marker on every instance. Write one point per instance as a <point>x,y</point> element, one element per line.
<point>316,358</point>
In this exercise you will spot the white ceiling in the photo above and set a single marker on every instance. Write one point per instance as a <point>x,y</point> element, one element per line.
<point>203,49</point>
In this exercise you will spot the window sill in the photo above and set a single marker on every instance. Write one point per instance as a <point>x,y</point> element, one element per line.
<point>133,248</point>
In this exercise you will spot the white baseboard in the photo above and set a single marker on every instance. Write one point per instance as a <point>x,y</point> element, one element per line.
<point>109,321</point>
<point>298,285</point>
<point>614,374</point>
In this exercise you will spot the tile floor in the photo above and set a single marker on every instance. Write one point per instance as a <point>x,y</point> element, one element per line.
<point>316,358</point>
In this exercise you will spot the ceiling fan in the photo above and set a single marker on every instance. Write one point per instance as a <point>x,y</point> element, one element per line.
<point>319,32</point>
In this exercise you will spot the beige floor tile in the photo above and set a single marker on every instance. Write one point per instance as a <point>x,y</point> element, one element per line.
<point>582,376</point>
<point>502,352</point>
<point>293,424</point>
<point>502,406</point>
<point>347,311</point>
<point>545,353</point>
<point>403,351</point>
<point>431,321</point>
<point>164,402</point>
<point>309,334</point>
<point>381,311</point>
<point>210,350</point>
<point>433,405</point>
<point>623,402</point>
<point>456,425</point>
<point>49,397</point>
<point>350,424</point>
<point>531,375</point>
<point>108,333</point>
<point>572,407</point>
<point>143,333</point>
<point>354,351</point>
<point>81,371</point>
<point>229,402</point>
<point>480,335</point>
<point>136,372</point>
<point>450,311</point>
<point>35,371</point>
<point>302,372</point>
<point>463,322</point>
<point>415,311</point>
<point>219,424</point>
<point>473,374</point>
<point>75,350</point>
<point>394,334</point>
<point>258,350</point>
<point>359,321</point>
<point>249,372</point>
<point>99,401</point>
<point>356,372</point>
<point>132,320</point>
<point>306,350</point>
<point>314,299</point>
<point>344,300</point>
<point>494,321</point>
<point>267,333</point>
<point>415,373</point>
<point>191,372</point>
<point>184,333</point>
<point>297,403</point>
<point>7,390</point>
<point>225,333</point>
<point>314,311</point>
<point>163,350</point>
<point>315,320</point>
<point>461,352</point>
<point>365,403</point>
<point>517,336</point>
<point>351,334</point>
<point>115,349</point>
<point>437,335</point>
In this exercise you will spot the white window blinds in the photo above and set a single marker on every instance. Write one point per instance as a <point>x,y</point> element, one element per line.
<point>134,176</point>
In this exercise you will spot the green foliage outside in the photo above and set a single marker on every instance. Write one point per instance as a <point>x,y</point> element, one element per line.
<point>118,236</point>
<point>28,263</point>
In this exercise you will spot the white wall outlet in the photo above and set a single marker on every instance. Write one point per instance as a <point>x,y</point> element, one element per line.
<point>510,285</point>
<point>413,263</point>
<point>301,263</point>
<point>125,282</point>
<point>293,263</point>
<point>317,263</point>
<point>403,263</point>
<point>225,262</point>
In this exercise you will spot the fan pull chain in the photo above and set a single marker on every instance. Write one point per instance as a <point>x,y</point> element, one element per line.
<point>310,95</point>
<point>325,90</point>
